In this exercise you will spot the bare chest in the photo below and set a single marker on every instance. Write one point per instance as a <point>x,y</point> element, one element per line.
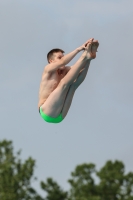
<point>52,82</point>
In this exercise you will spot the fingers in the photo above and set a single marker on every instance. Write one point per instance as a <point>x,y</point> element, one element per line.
<point>89,45</point>
<point>95,42</point>
<point>90,40</point>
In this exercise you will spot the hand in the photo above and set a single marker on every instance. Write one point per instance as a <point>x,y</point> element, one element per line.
<point>83,47</point>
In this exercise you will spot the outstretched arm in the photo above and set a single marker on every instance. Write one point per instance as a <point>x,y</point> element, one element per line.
<point>62,62</point>
<point>65,59</point>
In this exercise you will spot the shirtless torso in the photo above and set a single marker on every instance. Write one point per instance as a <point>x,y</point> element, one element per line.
<point>49,83</point>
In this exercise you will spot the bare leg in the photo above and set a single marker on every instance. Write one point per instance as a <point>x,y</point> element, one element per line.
<point>85,67</point>
<point>78,81</point>
<point>75,70</point>
<point>81,75</point>
<point>73,88</point>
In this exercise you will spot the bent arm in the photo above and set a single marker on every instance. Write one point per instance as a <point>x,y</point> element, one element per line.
<point>63,61</point>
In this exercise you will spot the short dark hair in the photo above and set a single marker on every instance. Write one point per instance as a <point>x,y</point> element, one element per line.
<point>50,53</point>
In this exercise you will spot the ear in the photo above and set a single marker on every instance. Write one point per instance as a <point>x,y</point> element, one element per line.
<point>50,60</point>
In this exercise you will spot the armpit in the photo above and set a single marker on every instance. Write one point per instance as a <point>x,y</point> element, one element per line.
<point>67,69</point>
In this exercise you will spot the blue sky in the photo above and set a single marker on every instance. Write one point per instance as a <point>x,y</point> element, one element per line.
<point>99,125</point>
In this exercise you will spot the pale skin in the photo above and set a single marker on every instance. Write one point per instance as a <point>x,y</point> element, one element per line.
<point>59,82</point>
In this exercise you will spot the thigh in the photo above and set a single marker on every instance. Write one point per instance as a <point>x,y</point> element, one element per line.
<point>54,103</point>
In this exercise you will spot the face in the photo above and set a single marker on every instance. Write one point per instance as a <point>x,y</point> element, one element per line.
<point>56,57</point>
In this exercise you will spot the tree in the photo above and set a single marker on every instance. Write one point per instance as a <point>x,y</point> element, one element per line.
<point>15,176</point>
<point>114,183</point>
<point>53,190</point>
<point>82,183</point>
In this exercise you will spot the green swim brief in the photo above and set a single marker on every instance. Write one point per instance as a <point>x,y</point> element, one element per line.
<point>51,119</point>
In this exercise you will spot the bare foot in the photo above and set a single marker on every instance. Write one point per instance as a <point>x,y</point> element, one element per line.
<point>91,49</point>
<point>88,51</point>
<point>94,48</point>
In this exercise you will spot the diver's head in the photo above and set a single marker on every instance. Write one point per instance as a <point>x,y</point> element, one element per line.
<point>54,55</point>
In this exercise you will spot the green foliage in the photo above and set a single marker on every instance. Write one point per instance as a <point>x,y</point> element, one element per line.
<point>15,176</point>
<point>82,183</point>
<point>54,192</point>
<point>114,184</point>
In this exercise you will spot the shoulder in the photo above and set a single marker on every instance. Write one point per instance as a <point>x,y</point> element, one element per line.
<point>46,73</point>
<point>46,68</point>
